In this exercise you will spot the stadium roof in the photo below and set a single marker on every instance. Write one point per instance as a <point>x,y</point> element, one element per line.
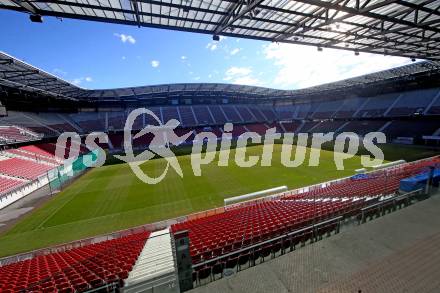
<point>17,74</point>
<point>207,89</point>
<point>20,75</point>
<point>408,28</point>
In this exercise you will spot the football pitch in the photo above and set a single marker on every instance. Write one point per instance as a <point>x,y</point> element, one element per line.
<point>112,198</point>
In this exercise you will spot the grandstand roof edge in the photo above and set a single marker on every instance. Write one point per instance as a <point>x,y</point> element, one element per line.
<point>61,88</point>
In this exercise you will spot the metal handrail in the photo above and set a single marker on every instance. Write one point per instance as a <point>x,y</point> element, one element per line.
<point>259,244</point>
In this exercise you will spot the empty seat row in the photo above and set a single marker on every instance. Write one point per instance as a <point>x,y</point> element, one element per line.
<point>24,168</point>
<point>75,270</point>
<point>11,134</point>
<point>245,225</point>
<point>9,184</point>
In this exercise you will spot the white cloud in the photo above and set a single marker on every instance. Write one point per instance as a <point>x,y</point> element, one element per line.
<point>234,71</point>
<point>197,78</point>
<point>211,46</point>
<point>123,57</point>
<point>185,60</point>
<point>80,80</point>
<point>77,81</point>
<point>155,63</point>
<point>125,38</point>
<point>235,51</point>
<point>240,75</point>
<point>303,66</point>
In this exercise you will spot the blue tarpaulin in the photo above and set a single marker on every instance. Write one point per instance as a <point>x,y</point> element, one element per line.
<point>418,181</point>
<point>359,176</point>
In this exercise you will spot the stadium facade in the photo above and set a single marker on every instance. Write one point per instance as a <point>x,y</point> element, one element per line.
<point>186,252</point>
<point>403,102</point>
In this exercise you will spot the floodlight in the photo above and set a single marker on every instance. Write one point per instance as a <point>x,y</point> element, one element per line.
<point>36,18</point>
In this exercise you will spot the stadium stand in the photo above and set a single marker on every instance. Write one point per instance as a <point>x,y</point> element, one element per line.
<point>231,114</point>
<point>150,120</point>
<point>349,107</point>
<point>245,113</point>
<point>216,130</point>
<point>238,130</point>
<point>247,224</point>
<point>216,235</point>
<point>251,224</point>
<point>204,116</point>
<point>328,126</point>
<point>138,122</point>
<point>257,114</point>
<point>362,127</point>
<point>35,155</point>
<point>308,126</point>
<point>269,114</point>
<point>219,239</point>
<point>326,109</point>
<point>414,102</point>
<point>115,121</point>
<point>218,114</point>
<point>290,126</point>
<point>169,113</point>
<point>350,114</point>
<point>90,121</point>
<point>411,128</point>
<point>435,107</point>
<point>116,140</point>
<point>377,106</point>
<point>8,184</point>
<point>303,110</point>
<point>141,142</point>
<point>24,168</point>
<point>75,270</point>
<point>285,113</point>
<point>13,134</point>
<point>258,128</point>
<point>187,116</point>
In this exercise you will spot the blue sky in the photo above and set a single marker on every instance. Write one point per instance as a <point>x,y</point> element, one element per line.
<point>99,55</point>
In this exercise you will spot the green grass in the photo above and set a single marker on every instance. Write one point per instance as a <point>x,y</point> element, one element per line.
<point>111,198</point>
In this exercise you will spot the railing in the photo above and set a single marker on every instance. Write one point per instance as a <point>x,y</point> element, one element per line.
<point>29,134</point>
<point>84,242</point>
<point>390,204</point>
<point>268,248</point>
<point>108,288</point>
<point>22,190</point>
<point>166,223</point>
<point>314,229</point>
<point>247,256</point>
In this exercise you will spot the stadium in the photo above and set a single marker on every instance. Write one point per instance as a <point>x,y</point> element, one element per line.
<point>76,216</point>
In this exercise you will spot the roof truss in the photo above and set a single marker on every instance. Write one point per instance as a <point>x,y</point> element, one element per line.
<point>409,28</point>
<point>20,75</point>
